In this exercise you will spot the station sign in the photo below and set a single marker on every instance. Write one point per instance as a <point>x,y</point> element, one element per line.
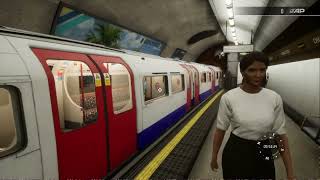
<point>238,49</point>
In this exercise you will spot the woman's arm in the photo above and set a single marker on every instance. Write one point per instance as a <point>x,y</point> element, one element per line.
<point>217,141</point>
<point>286,157</point>
<point>223,123</point>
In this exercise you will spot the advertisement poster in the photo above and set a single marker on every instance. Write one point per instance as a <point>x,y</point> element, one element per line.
<point>76,25</point>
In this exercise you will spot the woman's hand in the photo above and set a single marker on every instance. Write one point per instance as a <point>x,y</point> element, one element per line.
<point>214,164</point>
<point>217,141</point>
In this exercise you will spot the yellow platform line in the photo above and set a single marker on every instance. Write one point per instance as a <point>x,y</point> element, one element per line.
<point>159,158</point>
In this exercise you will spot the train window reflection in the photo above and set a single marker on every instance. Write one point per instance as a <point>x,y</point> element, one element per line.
<point>177,83</point>
<point>75,90</point>
<point>121,87</point>
<point>155,87</point>
<point>11,137</point>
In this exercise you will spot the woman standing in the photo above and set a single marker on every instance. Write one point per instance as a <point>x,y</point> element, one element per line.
<point>252,111</point>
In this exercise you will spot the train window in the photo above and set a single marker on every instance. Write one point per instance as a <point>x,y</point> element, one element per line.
<point>75,90</point>
<point>155,87</point>
<point>120,86</point>
<point>203,77</point>
<point>217,77</point>
<point>177,83</point>
<point>12,137</point>
<point>210,77</point>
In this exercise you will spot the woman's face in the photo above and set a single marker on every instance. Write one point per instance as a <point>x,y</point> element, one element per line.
<point>255,74</point>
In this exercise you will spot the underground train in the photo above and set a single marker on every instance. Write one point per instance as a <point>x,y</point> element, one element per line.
<point>74,110</point>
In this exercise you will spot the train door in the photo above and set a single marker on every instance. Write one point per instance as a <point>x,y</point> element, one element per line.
<point>118,81</point>
<point>212,80</point>
<point>217,80</point>
<point>188,86</point>
<point>196,85</point>
<point>78,112</point>
<point>192,86</point>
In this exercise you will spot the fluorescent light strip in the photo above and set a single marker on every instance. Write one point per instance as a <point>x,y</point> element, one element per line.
<point>231,22</point>
<point>233,29</point>
<point>230,12</point>
<point>229,2</point>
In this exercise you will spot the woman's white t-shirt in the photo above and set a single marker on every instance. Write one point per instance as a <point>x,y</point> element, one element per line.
<point>251,115</point>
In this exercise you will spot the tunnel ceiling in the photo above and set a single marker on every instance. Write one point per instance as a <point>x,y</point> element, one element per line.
<point>255,29</point>
<point>191,25</point>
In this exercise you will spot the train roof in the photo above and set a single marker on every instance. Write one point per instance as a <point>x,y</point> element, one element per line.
<point>8,31</point>
<point>131,57</point>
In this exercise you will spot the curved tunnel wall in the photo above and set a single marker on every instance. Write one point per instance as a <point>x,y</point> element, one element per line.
<point>299,86</point>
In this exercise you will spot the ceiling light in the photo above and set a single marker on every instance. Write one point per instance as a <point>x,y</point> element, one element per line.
<point>229,2</point>
<point>231,22</point>
<point>230,12</point>
<point>233,29</point>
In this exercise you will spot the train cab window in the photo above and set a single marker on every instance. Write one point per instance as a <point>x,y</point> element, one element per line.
<point>210,77</point>
<point>75,90</point>
<point>155,87</point>
<point>177,82</point>
<point>203,77</point>
<point>120,86</point>
<point>12,137</point>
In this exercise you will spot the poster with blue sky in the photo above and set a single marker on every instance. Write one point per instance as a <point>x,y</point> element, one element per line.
<point>79,26</point>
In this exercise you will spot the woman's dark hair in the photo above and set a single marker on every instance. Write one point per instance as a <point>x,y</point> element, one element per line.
<point>248,59</point>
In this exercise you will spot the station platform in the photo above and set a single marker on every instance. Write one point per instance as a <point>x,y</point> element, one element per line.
<point>305,154</point>
<point>185,151</point>
<point>174,154</point>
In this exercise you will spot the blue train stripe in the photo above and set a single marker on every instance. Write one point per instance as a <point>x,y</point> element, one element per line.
<point>149,135</point>
<point>205,95</point>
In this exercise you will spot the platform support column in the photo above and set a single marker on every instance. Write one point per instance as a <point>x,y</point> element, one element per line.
<point>232,72</point>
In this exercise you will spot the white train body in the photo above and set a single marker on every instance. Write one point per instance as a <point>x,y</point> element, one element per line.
<point>77,111</point>
<point>217,72</point>
<point>205,75</point>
